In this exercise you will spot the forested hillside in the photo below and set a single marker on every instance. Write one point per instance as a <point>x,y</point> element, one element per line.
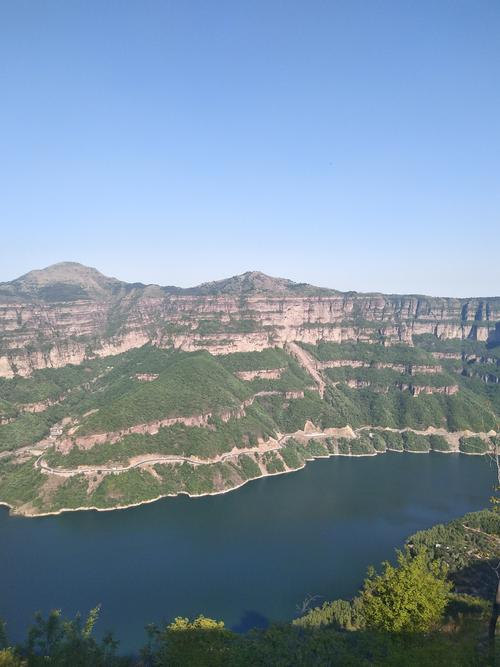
<point>150,422</point>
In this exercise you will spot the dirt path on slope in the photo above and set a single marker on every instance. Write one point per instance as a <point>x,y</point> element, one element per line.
<point>308,363</point>
<point>152,459</point>
<point>273,444</point>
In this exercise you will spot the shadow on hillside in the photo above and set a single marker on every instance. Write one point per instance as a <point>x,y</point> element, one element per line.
<point>477,579</point>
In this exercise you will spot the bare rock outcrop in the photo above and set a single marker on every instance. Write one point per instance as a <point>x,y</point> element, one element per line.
<point>68,313</point>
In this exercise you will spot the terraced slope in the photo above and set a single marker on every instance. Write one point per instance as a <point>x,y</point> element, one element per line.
<point>151,422</point>
<point>115,393</point>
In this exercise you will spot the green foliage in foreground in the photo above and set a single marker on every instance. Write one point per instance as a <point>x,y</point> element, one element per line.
<point>204,642</point>
<point>341,614</point>
<point>411,597</point>
<point>408,597</point>
<point>58,642</point>
<point>403,616</point>
<point>9,659</point>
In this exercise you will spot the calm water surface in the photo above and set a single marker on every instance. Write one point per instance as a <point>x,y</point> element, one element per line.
<point>247,557</point>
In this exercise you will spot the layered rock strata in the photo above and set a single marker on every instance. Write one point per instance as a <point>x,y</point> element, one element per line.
<point>68,313</point>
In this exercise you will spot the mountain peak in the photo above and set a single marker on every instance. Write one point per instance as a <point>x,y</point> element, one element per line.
<point>67,271</point>
<point>72,281</point>
<point>64,281</point>
<point>256,282</point>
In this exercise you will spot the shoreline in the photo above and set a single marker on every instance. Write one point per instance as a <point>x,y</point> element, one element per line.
<point>29,515</point>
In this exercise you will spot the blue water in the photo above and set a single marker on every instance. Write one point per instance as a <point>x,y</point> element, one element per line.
<point>247,557</point>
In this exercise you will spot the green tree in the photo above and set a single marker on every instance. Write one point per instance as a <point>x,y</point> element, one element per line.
<point>495,610</point>
<point>409,598</point>
<point>203,642</point>
<point>58,642</point>
<point>9,659</point>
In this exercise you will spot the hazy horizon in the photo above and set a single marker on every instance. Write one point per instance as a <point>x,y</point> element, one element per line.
<point>348,145</point>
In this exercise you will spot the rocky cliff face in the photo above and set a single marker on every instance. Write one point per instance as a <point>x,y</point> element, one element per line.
<point>67,313</point>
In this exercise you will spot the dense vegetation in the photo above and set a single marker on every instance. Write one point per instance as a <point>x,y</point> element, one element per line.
<point>381,393</point>
<point>191,384</point>
<point>149,384</point>
<point>398,354</point>
<point>76,390</point>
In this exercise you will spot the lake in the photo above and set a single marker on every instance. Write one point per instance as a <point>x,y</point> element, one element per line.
<point>247,557</point>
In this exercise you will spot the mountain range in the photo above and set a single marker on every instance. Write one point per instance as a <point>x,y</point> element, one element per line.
<point>115,393</point>
<point>68,312</point>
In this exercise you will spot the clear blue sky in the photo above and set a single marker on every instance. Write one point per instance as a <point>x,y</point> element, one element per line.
<point>349,144</point>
